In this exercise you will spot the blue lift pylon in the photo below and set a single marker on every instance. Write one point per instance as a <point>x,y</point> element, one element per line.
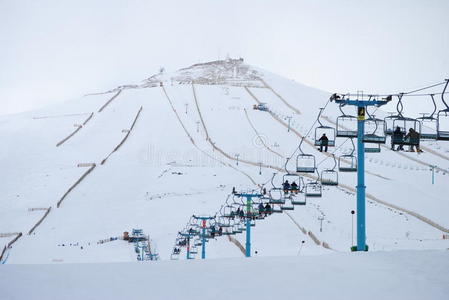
<point>203,235</point>
<point>249,203</point>
<point>361,188</point>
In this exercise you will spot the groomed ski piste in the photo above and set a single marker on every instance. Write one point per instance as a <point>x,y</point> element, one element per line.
<point>77,175</point>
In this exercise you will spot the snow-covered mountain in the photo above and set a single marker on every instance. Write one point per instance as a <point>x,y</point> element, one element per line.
<point>150,155</point>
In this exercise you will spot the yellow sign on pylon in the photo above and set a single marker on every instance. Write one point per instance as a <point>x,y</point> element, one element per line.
<point>360,113</point>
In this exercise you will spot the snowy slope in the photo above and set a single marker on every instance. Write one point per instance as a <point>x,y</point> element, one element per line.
<point>179,160</point>
<point>377,275</point>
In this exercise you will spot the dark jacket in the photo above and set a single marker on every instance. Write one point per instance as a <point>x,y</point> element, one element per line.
<point>324,140</point>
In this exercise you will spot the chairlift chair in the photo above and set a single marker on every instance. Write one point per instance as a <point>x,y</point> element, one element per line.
<point>443,119</point>
<point>242,226</point>
<point>291,178</point>
<point>193,250</point>
<point>276,209</point>
<point>236,228</point>
<point>276,196</point>
<point>330,176</point>
<point>305,163</point>
<point>372,148</point>
<point>348,162</point>
<point>374,130</point>
<point>300,198</point>
<point>313,190</point>
<point>328,131</point>
<point>389,121</point>
<point>223,222</point>
<point>228,211</point>
<point>404,124</point>
<point>443,128</point>
<point>324,130</point>
<point>288,205</point>
<point>389,129</point>
<point>429,124</point>
<point>429,127</point>
<point>346,125</point>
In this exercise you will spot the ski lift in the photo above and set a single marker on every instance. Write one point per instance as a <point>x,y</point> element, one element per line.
<point>348,162</point>
<point>429,128</point>
<point>300,198</point>
<point>313,190</point>
<point>236,228</point>
<point>402,126</point>
<point>223,222</point>
<point>193,250</point>
<point>276,209</point>
<point>374,130</point>
<point>276,195</point>
<point>288,205</point>
<point>321,130</point>
<point>228,211</point>
<point>389,123</point>
<point>443,117</point>
<point>287,183</point>
<point>305,163</point>
<point>389,120</point>
<point>346,124</point>
<point>372,148</point>
<point>330,176</point>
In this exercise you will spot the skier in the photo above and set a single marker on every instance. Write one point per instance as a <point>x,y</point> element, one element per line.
<point>286,186</point>
<point>324,141</point>
<point>413,136</point>
<point>261,208</point>
<point>294,187</point>
<point>267,209</point>
<point>398,136</point>
<point>237,213</point>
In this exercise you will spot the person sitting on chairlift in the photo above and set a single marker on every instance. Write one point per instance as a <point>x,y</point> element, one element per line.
<point>261,208</point>
<point>212,231</point>
<point>241,214</point>
<point>413,136</point>
<point>324,142</point>
<point>267,209</point>
<point>286,186</point>
<point>220,231</point>
<point>294,187</point>
<point>398,135</point>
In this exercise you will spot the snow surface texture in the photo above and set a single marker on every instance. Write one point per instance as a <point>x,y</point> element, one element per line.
<point>377,275</point>
<point>171,152</point>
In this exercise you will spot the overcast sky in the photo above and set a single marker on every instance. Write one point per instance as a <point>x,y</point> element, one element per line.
<point>57,50</point>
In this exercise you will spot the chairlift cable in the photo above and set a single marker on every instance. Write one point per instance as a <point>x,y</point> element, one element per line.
<point>425,88</point>
<point>310,129</point>
<point>332,152</point>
